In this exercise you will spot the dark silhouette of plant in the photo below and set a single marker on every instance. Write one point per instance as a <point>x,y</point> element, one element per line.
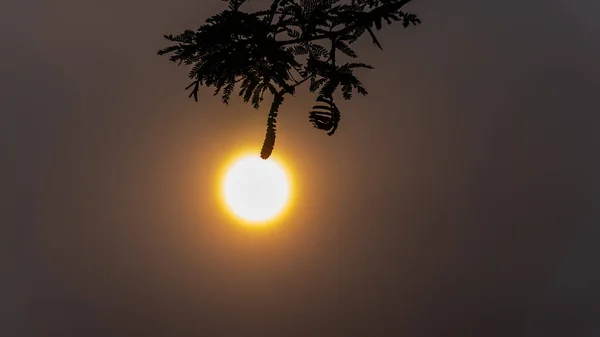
<point>274,51</point>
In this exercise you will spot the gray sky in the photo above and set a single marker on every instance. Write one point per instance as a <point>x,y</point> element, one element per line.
<point>460,198</point>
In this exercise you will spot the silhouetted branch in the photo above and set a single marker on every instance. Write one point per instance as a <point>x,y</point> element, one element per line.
<point>367,20</point>
<point>234,49</point>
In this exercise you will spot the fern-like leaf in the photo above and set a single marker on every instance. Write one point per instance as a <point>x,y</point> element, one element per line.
<point>409,19</point>
<point>234,5</point>
<point>257,96</point>
<point>227,91</point>
<point>298,50</point>
<point>316,84</point>
<point>196,85</point>
<point>293,33</point>
<point>318,50</point>
<point>311,6</point>
<point>344,48</point>
<point>375,40</point>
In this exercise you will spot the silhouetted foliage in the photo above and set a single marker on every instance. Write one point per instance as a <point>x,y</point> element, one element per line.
<point>273,51</point>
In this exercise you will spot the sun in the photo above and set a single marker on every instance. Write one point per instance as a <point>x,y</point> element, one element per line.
<point>256,190</point>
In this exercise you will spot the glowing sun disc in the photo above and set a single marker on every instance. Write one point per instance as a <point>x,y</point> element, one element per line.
<point>256,190</point>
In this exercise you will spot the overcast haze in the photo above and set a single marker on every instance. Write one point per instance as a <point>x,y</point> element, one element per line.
<point>460,198</point>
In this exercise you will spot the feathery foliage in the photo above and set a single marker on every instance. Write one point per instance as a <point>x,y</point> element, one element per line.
<point>276,50</point>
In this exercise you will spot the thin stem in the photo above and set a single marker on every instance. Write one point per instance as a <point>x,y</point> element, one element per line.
<point>302,81</point>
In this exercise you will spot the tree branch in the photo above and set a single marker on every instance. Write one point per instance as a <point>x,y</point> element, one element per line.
<point>302,81</point>
<point>347,29</point>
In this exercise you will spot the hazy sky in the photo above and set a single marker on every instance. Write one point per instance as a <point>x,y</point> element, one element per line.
<point>460,198</point>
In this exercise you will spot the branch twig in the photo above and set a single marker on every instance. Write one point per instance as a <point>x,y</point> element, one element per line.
<point>373,13</point>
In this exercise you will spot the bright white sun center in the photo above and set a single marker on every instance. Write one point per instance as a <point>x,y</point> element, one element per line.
<point>256,190</point>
